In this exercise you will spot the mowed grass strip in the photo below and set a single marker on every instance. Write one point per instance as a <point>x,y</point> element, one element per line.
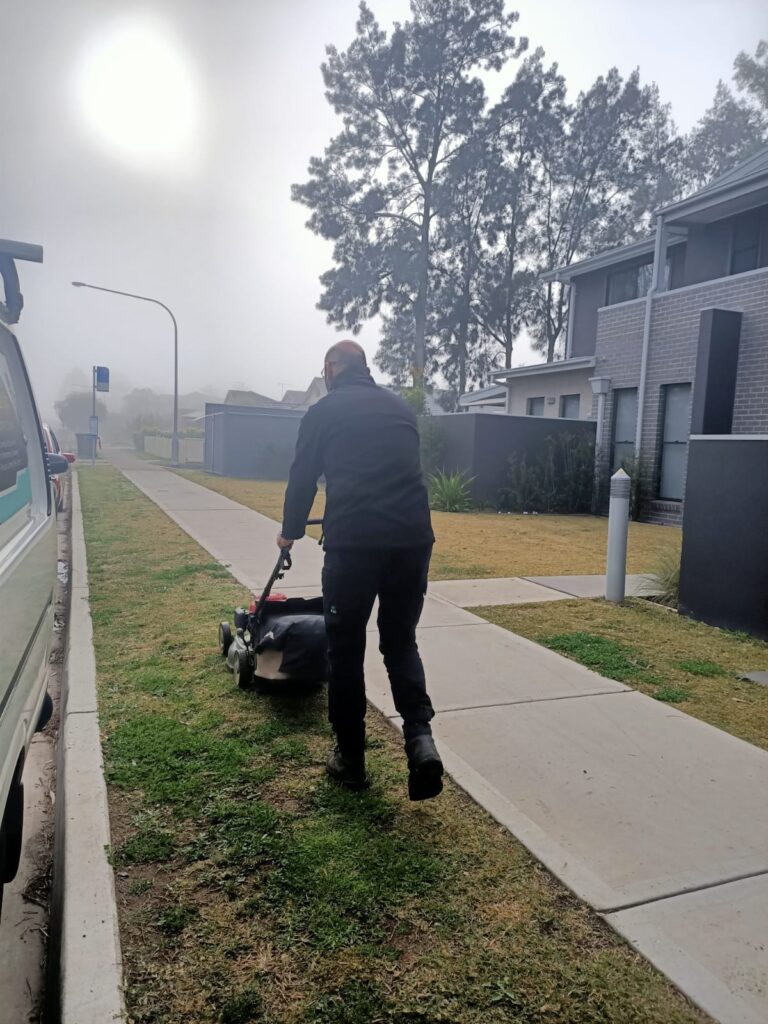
<point>674,659</point>
<point>251,889</point>
<point>476,545</point>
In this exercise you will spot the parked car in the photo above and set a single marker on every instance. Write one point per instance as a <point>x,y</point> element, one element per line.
<point>28,554</point>
<point>53,446</point>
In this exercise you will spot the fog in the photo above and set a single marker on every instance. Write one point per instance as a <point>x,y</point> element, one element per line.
<point>170,175</point>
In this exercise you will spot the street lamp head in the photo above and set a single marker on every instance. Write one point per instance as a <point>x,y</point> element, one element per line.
<point>78,284</point>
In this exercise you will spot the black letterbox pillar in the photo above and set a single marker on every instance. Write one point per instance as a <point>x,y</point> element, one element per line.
<point>714,387</point>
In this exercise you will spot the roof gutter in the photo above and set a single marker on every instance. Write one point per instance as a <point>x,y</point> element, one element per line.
<point>712,194</point>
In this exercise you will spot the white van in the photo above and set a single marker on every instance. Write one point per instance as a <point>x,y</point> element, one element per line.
<point>28,552</point>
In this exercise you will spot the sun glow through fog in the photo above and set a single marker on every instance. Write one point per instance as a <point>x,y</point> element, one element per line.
<point>137,95</point>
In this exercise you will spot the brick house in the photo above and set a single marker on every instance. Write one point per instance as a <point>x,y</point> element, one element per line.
<point>636,329</point>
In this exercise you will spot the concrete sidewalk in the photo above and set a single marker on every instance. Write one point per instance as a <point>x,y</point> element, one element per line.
<point>655,819</point>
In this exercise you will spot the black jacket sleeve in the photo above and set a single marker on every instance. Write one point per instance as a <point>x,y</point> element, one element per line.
<point>302,481</point>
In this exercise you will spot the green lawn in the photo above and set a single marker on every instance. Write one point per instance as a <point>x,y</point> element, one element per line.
<point>251,889</point>
<point>674,659</point>
<point>472,545</point>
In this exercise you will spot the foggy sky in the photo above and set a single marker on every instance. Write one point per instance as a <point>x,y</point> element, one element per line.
<point>215,235</point>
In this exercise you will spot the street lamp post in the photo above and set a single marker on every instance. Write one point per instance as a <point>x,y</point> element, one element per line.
<point>156,302</point>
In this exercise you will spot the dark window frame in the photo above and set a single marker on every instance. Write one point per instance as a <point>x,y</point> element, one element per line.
<point>529,403</point>
<point>752,246</point>
<point>660,445</point>
<point>561,412</point>
<point>635,268</point>
<point>614,417</point>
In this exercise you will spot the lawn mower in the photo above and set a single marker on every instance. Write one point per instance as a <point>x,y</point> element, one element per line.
<point>277,638</point>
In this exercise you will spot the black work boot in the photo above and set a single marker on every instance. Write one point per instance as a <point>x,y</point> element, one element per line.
<point>425,769</point>
<point>347,771</point>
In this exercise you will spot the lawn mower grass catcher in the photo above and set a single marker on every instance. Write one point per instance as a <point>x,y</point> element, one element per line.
<point>277,638</point>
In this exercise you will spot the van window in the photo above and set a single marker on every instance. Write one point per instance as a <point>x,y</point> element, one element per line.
<point>15,478</point>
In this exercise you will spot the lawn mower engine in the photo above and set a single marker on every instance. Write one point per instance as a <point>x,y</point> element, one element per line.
<point>277,638</point>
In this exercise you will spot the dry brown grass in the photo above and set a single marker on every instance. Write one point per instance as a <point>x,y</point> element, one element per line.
<point>694,665</point>
<point>473,545</point>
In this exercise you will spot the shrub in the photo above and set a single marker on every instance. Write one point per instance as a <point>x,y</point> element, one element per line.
<point>416,398</point>
<point>523,489</point>
<point>450,492</point>
<point>559,481</point>
<point>665,579</point>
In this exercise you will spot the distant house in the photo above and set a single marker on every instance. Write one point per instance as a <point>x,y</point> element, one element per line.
<point>252,398</point>
<point>493,399</point>
<point>300,400</point>
<point>635,329</point>
<point>304,399</point>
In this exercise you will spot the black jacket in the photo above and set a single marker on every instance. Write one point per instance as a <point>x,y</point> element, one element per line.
<point>365,440</point>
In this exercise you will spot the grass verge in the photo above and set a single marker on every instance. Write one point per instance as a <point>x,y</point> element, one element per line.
<point>657,651</point>
<point>250,889</point>
<point>473,545</point>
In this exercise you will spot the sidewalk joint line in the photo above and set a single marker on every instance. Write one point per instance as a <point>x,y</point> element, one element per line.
<point>528,700</point>
<point>683,892</point>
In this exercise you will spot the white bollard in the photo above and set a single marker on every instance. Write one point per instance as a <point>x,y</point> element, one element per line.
<point>618,529</point>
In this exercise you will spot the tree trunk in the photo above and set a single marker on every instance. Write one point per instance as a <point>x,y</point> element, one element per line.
<point>508,275</point>
<point>463,333</point>
<point>422,296</point>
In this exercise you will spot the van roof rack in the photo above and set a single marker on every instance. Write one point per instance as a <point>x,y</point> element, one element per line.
<point>10,310</point>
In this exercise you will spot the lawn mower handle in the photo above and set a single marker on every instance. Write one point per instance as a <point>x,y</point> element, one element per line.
<point>284,563</point>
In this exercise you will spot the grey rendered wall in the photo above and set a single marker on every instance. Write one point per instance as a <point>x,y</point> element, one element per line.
<point>457,433</point>
<point>248,443</point>
<point>724,571</point>
<point>482,445</point>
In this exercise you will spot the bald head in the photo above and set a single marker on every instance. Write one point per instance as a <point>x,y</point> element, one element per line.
<point>344,355</point>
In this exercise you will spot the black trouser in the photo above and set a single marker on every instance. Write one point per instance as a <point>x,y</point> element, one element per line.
<point>352,579</point>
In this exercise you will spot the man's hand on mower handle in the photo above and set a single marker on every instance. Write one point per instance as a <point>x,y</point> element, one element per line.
<point>283,543</point>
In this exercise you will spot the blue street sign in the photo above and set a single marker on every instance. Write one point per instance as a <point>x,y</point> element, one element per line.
<point>102,378</point>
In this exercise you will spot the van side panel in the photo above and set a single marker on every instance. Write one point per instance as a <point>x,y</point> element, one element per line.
<point>27,563</point>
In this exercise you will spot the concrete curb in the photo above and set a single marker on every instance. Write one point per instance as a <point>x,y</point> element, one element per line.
<point>91,982</point>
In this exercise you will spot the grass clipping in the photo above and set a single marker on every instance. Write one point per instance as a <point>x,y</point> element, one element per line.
<point>251,889</point>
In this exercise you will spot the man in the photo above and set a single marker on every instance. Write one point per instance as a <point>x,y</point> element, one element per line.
<point>378,542</point>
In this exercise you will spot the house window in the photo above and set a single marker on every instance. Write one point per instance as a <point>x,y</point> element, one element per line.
<point>624,426</point>
<point>535,407</point>
<point>676,400</point>
<point>569,406</point>
<point>632,283</point>
<point>745,251</point>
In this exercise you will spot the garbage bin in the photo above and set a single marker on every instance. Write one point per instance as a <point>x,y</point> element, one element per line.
<point>86,446</point>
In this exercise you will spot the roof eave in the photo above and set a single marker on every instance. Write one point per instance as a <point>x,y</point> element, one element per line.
<point>561,366</point>
<point>705,199</point>
<point>607,258</point>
